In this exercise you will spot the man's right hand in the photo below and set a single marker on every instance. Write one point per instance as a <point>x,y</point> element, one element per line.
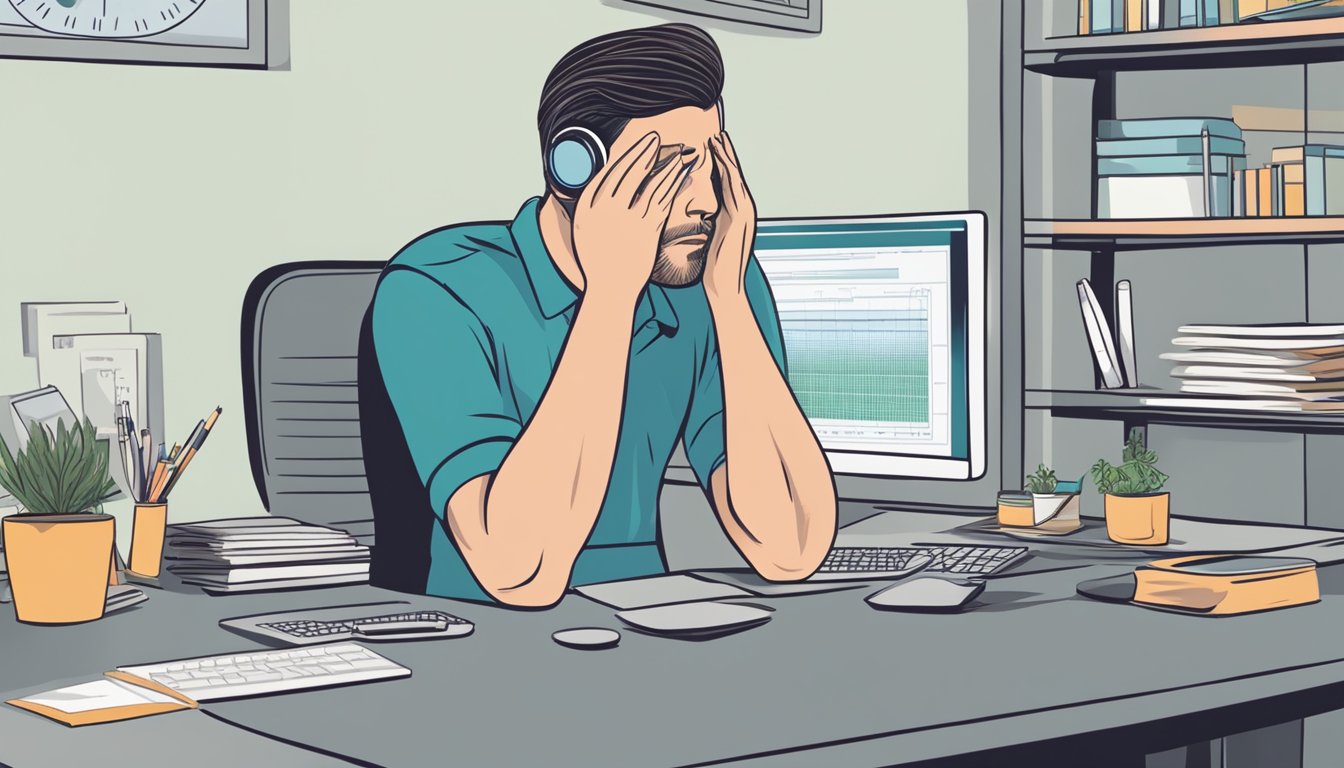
<point>619,219</point>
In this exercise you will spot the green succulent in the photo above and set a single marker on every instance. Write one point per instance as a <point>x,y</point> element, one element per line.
<point>1043,480</point>
<point>64,472</point>
<point>1135,475</point>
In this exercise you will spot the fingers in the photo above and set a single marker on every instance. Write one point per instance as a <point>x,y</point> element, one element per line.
<point>662,187</point>
<point>730,180</point>
<point>640,155</point>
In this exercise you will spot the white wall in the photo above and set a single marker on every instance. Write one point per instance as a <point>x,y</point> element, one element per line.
<point>171,188</point>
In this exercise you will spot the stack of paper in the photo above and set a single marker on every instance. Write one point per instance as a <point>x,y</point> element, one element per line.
<point>251,554</point>
<point>1288,367</point>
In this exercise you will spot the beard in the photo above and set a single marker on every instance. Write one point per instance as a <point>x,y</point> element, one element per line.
<point>674,270</point>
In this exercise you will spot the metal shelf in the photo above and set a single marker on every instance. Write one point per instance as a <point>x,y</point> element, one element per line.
<point>1127,406</point>
<point>1230,45</point>
<point>1140,234</point>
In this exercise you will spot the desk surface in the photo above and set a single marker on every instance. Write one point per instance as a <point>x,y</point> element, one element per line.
<point>828,681</point>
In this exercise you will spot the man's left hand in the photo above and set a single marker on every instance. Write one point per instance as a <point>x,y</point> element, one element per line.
<point>734,225</point>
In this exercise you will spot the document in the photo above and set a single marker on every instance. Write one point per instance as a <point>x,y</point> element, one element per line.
<point>99,694</point>
<point>658,590</point>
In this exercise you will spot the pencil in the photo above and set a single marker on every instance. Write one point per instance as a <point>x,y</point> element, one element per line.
<point>194,444</point>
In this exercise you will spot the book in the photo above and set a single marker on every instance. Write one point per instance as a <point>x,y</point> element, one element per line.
<point>1322,168</point>
<point>1084,17</point>
<point>1253,373</point>
<point>1325,390</point>
<point>1190,12</point>
<point>1246,404</point>
<point>1166,127</point>
<point>1134,15</point>
<point>1099,337</point>
<point>1317,346</point>
<point>1124,320</point>
<point>1169,145</point>
<point>1152,14</point>
<point>1268,330</point>
<point>216,588</point>
<point>1162,197</point>
<point>226,575</point>
<point>1227,11</point>
<point>1227,584</point>
<point>269,557</point>
<point>1167,165</point>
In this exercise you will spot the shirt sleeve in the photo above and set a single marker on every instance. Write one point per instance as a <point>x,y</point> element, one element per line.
<point>704,435</point>
<point>441,376</point>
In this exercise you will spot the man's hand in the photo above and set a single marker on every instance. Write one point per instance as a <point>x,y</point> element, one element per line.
<point>734,225</point>
<point>620,216</point>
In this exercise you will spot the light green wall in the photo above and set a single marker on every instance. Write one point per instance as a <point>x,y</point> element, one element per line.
<point>171,188</point>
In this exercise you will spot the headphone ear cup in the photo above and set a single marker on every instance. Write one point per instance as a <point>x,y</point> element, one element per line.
<point>574,157</point>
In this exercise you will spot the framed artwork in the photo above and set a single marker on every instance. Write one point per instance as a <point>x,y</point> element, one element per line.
<point>795,15</point>
<point>218,33</point>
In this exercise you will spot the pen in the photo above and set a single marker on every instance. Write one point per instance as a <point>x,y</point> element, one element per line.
<point>146,460</point>
<point>194,443</point>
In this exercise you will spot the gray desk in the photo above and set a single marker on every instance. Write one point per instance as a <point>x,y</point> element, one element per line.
<point>828,682</point>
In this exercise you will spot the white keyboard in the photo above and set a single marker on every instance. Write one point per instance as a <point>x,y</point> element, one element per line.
<point>263,672</point>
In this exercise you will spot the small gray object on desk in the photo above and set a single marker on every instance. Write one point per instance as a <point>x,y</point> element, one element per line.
<point>587,638</point>
<point>696,621</point>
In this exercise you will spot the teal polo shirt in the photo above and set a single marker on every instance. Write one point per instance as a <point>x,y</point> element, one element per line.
<point>468,325</point>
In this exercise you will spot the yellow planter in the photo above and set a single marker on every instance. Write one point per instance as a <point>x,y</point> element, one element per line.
<point>1138,519</point>
<point>58,566</point>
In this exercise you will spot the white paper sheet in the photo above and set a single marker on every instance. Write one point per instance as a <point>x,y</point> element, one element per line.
<point>99,694</point>
<point>658,590</point>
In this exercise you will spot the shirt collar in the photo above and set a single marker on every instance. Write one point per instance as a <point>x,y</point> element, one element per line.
<point>554,293</point>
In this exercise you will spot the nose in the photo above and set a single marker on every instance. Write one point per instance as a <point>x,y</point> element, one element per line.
<point>699,191</point>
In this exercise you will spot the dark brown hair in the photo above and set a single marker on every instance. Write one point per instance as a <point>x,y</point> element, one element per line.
<point>605,82</point>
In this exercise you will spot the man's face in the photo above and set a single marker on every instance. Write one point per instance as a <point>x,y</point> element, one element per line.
<point>681,254</point>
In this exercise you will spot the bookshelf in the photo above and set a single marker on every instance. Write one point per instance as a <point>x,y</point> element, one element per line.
<point>1070,82</point>
<point>1283,83</point>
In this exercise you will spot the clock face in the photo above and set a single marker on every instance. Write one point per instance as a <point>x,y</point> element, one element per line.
<point>106,18</point>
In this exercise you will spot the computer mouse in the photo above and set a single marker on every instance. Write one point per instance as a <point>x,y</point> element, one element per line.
<point>587,638</point>
<point>926,593</point>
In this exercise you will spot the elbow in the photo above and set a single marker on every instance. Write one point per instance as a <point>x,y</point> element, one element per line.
<point>529,584</point>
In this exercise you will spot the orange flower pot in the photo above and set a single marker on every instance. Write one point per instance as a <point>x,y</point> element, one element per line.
<point>58,566</point>
<point>1138,519</point>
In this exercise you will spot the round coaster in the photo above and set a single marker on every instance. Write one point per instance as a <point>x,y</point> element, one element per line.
<point>587,638</point>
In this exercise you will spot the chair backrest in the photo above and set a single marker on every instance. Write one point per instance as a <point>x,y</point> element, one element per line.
<point>324,442</point>
<point>300,333</point>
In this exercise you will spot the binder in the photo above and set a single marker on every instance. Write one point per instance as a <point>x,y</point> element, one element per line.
<point>1124,320</point>
<point>1099,337</point>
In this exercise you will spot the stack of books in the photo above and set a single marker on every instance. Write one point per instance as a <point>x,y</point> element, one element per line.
<point>1167,167</point>
<point>1298,181</point>
<point>1104,17</point>
<point>1289,367</point>
<point>253,554</point>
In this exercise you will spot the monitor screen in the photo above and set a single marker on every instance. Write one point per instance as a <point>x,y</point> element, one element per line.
<point>884,324</point>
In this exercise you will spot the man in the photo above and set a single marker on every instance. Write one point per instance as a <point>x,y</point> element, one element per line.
<point>542,372</point>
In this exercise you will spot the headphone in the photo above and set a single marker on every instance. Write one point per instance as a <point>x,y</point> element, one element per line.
<point>575,155</point>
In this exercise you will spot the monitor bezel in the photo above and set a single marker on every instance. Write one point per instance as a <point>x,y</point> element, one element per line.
<point>904,466</point>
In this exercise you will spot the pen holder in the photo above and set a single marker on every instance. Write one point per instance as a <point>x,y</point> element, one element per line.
<point>147,538</point>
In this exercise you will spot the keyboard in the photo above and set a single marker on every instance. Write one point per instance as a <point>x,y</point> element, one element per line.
<point>858,563</point>
<point>375,622</point>
<point>274,671</point>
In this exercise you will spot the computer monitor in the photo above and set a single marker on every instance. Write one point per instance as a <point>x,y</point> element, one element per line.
<point>884,335</point>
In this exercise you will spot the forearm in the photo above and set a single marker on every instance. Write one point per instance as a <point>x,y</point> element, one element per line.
<point>778,487</point>
<point>545,497</point>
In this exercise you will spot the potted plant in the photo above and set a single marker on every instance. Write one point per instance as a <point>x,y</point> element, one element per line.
<point>1137,509</point>
<point>59,549</point>
<point>1052,499</point>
